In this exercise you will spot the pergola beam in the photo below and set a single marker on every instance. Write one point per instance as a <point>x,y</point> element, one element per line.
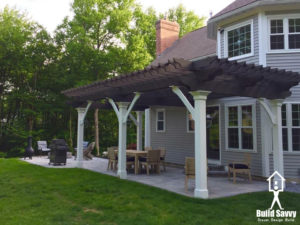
<point>207,74</point>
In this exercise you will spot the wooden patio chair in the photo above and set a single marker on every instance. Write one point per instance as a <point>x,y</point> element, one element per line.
<point>104,154</point>
<point>189,170</point>
<point>242,167</point>
<point>152,159</point>
<point>162,157</point>
<point>87,153</point>
<point>129,162</point>
<point>112,159</point>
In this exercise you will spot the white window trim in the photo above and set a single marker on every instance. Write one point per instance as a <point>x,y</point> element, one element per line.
<point>289,126</point>
<point>219,44</point>
<point>227,29</point>
<point>286,33</point>
<point>239,105</point>
<point>187,123</point>
<point>156,114</point>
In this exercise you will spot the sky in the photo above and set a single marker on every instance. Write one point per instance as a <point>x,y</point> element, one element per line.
<point>50,13</point>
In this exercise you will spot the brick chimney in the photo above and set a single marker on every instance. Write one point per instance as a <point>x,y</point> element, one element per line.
<point>167,33</point>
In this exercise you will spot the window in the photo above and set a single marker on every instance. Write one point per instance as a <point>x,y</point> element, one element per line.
<point>277,35</point>
<point>284,33</point>
<point>160,120</point>
<point>291,127</point>
<point>240,129</point>
<point>190,122</point>
<point>294,33</point>
<point>239,41</point>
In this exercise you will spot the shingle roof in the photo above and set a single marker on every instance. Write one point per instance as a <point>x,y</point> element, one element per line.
<point>193,45</point>
<point>235,5</point>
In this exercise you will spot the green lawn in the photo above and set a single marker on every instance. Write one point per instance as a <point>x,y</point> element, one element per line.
<point>35,195</point>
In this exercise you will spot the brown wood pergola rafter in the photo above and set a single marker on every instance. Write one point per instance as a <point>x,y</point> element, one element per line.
<point>220,76</point>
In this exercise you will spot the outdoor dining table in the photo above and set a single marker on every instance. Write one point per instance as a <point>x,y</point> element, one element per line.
<point>136,154</point>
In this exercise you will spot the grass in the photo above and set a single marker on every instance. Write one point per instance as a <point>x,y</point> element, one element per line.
<point>35,195</point>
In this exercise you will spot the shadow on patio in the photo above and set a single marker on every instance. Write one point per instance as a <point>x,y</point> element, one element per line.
<point>171,180</point>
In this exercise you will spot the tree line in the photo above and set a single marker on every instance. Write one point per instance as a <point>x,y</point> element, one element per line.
<point>101,40</point>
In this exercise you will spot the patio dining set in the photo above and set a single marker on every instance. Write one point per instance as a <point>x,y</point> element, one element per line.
<point>150,159</point>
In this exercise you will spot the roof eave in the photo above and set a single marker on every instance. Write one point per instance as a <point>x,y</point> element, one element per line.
<point>212,23</point>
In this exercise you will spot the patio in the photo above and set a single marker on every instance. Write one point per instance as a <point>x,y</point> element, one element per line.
<point>171,180</point>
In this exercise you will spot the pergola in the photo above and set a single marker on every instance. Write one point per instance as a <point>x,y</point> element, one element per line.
<point>185,83</point>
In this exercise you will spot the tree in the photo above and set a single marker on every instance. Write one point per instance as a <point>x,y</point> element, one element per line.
<point>26,54</point>
<point>141,38</point>
<point>187,20</point>
<point>92,42</point>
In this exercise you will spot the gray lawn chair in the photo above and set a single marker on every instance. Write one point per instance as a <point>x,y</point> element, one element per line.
<point>42,147</point>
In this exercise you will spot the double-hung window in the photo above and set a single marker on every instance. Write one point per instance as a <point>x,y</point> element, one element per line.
<point>239,40</point>
<point>240,124</point>
<point>160,120</point>
<point>284,33</point>
<point>291,127</point>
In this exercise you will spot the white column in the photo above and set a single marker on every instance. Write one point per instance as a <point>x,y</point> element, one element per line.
<point>277,136</point>
<point>122,173</point>
<point>122,114</point>
<point>147,128</point>
<point>201,190</point>
<point>80,132</point>
<point>199,115</point>
<point>80,135</point>
<point>139,131</point>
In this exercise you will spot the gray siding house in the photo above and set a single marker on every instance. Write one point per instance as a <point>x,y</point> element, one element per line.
<point>260,32</point>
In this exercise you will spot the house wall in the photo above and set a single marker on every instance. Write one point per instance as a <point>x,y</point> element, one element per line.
<point>176,140</point>
<point>180,144</point>
<point>237,155</point>
<point>291,165</point>
<point>290,62</point>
